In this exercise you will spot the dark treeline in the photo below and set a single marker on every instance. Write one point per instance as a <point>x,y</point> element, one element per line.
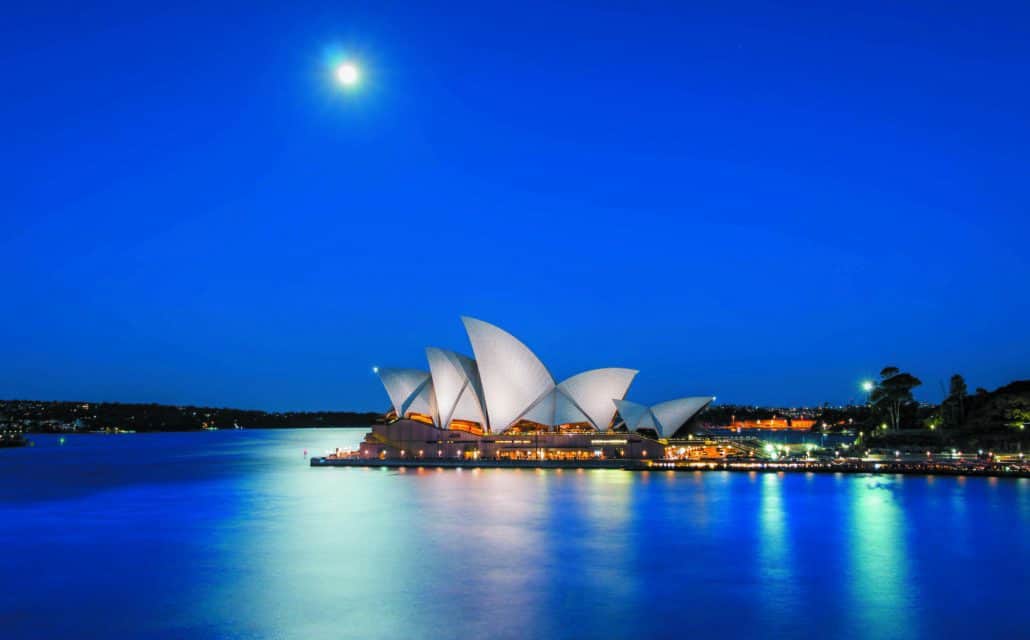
<point>89,416</point>
<point>982,419</point>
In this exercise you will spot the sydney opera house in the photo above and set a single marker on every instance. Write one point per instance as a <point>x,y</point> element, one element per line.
<point>504,404</point>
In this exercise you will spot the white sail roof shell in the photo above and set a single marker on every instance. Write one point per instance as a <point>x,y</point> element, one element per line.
<point>542,411</point>
<point>585,397</point>
<point>423,401</point>
<point>555,408</point>
<point>456,387</point>
<point>469,409</point>
<point>673,414</point>
<point>665,418</point>
<point>593,392</point>
<point>513,378</point>
<point>410,390</point>
<point>635,415</point>
<point>566,411</point>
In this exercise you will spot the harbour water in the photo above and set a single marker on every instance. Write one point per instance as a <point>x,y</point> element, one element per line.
<point>232,534</point>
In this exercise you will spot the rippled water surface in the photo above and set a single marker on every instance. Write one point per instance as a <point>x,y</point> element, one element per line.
<point>231,535</point>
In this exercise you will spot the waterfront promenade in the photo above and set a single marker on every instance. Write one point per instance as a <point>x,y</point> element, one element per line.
<point>335,461</point>
<point>907,467</point>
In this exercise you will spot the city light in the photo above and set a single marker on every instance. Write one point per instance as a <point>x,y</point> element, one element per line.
<point>868,386</point>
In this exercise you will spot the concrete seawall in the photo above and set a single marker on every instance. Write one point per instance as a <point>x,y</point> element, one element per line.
<point>480,464</point>
<point>882,468</point>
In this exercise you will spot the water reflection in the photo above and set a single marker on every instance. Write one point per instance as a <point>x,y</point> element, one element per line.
<point>603,503</point>
<point>879,571</point>
<point>774,553</point>
<point>234,535</point>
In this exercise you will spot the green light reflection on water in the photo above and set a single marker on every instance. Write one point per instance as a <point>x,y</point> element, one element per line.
<point>879,580</point>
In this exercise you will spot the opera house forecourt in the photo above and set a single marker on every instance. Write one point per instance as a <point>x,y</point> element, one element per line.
<point>504,405</point>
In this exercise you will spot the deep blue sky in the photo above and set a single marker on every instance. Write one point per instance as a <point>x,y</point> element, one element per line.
<point>762,201</point>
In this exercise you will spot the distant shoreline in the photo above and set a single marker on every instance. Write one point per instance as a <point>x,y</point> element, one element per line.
<point>40,416</point>
<point>148,432</point>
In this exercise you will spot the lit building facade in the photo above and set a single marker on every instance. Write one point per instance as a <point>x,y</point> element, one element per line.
<point>777,424</point>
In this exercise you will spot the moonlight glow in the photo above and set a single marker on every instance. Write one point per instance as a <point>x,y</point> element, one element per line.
<point>348,74</point>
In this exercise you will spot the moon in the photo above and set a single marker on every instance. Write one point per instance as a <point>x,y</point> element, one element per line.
<point>348,74</point>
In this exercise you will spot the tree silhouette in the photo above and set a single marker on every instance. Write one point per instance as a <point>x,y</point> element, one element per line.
<point>893,393</point>
<point>953,408</point>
